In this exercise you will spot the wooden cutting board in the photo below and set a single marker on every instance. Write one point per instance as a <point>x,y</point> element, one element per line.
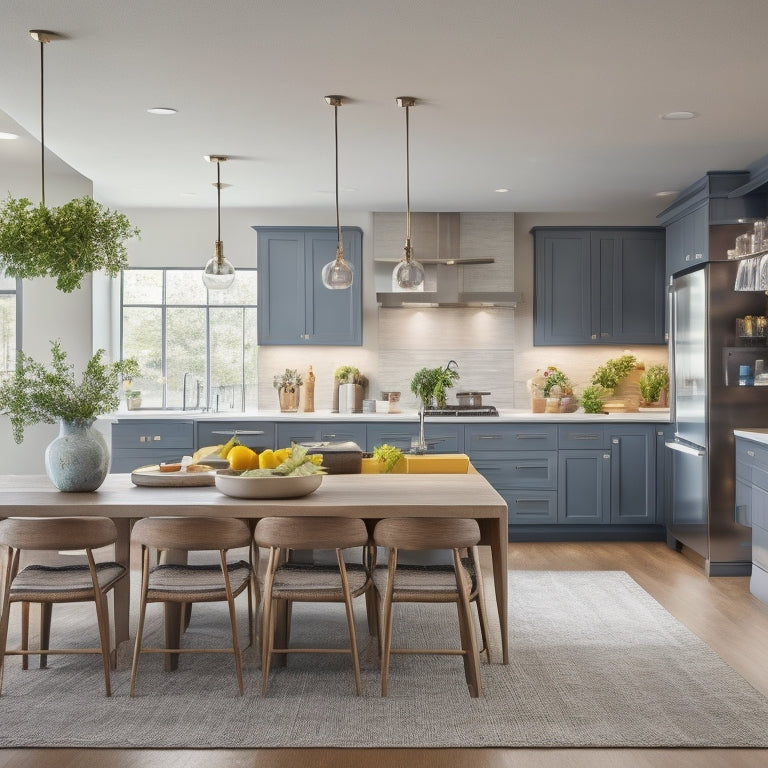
<point>151,475</point>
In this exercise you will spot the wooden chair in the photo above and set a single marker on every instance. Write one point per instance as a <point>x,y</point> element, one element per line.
<point>49,584</point>
<point>185,584</point>
<point>286,583</point>
<point>428,584</point>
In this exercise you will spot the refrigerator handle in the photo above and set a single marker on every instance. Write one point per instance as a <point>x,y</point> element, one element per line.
<point>691,451</point>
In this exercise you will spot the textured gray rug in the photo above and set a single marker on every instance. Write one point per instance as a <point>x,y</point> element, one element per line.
<point>595,662</point>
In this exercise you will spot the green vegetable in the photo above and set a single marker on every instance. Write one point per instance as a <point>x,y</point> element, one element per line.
<point>390,455</point>
<point>592,399</point>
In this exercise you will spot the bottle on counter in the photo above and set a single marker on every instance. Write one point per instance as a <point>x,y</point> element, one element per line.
<point>309,393</point>
<point>746,379</point>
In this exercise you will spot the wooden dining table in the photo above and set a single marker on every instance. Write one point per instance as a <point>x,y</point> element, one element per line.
<point>371,497</point>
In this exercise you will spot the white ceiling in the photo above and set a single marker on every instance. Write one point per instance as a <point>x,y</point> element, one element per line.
<point>557,100</point>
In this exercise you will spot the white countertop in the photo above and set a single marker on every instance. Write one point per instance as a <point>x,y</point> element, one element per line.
<point>758,434</point>
<point>510,415</point>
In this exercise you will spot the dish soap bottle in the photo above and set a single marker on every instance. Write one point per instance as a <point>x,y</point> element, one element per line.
<point>309,395</point>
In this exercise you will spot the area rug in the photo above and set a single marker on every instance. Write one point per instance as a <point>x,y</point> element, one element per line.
<point>594,662</point>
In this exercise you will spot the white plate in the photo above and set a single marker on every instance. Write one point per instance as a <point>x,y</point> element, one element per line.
<point>269,487</point>
<point>151,475</point>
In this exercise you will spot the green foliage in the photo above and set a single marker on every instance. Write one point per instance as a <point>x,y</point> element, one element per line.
<point>66,243</point>
<point>554,377</point>
<point>428,383</point>
<point>347,374</point>
<point>390,455</point>
<point>613,371</point>
<point>37,393</point>
<point>288,380</point>
<point>653,382</point>
<point>592,398</point>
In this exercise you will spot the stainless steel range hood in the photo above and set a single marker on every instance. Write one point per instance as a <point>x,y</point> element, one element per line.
<point>446,274</point>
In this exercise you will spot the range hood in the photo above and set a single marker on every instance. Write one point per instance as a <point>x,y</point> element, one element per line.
<point>445,267</point>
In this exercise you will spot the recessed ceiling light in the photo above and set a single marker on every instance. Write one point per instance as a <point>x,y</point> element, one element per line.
<point>683,115</point>
<point>501,189</point>
<point>162,111</point>
<point>8,136</point>
<point>667,193</point>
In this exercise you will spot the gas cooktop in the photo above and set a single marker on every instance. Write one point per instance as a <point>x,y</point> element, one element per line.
<point>463,410</point>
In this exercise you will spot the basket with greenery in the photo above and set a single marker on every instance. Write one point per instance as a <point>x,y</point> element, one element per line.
<point>610,374</point>
<point>593,397</point>
<point>554,377</point>
<point>64,243</point>
<point>430,384</point>
<point>388,455</point>
<point>37,393</point>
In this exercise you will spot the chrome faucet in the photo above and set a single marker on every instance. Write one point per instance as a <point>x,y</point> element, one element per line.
<point>198,387</point>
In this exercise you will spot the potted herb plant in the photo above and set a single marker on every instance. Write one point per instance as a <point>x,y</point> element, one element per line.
<point>654,385</point>
<point>35,393</point>
<point>288,386</point>
<point>64,243</point>
<point>349,385</point>
<point>431,384</point>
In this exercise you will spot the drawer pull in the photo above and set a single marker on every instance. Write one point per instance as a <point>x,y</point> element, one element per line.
<point>585,437</point>
<point>530,437</point>
<point>530,466</point>
<point>751,453</point>
<point>489,437</point>
<point>530,501</point>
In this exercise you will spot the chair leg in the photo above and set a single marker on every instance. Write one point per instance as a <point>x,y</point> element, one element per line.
<point>102,618</point>
<point>142,614</point>
<point>46,610</point>
<point>386,621</point>
<point>25,634</point>
<point>479,601</point>
<point>350,621</point>
<point>4,618</point>
<point>469,646</point>
<point>232,621</point>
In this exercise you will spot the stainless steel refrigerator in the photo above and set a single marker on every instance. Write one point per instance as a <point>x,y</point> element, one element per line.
<point>707,405</point>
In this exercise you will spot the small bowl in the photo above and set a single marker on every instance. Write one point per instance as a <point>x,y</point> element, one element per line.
<point>232,484</point>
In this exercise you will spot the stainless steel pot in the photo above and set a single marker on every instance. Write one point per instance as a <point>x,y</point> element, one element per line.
<point>472,399</point>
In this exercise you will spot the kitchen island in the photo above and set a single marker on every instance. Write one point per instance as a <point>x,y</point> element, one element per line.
<point>370,497</point>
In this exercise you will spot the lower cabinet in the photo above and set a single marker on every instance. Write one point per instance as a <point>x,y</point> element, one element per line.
<point>256,435</point>
<point>633,474</point>
<point>137,443</point>
<point>319,432</point>
<point>440,438</point>
<point>584,485</point>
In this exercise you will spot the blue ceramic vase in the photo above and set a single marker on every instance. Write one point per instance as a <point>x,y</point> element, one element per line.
<point>78,459</point>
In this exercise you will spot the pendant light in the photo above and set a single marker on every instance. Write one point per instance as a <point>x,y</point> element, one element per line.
<point>337,274</point>
<point>408,274</point>
<point>219,274</point>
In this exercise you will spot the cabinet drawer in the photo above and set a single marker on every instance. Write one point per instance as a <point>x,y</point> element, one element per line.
<point>148,435</point>
<point>751,454</point>
<point>520,469</point>
<point>530,507</point>
<point>320,432</point>
<point>481,438</point>
<point>256,435</point>
<point>128,459</point>
<point>440,438</point>
<point>582,436</point>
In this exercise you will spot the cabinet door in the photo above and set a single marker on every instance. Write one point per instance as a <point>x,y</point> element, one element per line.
<point>137,443</point>
<point>517,469</point>
<point>256,435</point>
<point>633,474</point>
<point>664,474</point>
<point>320,432</point>
<point>630,267</point>
<point>562,297</point>
<point>583,487</point>
<point>696,236</point>
<point>294,307</point>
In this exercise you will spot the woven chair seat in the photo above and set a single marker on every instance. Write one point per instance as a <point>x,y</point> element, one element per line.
<point>433,582</point>
<point>203,582</point>
<point>291,581</point>
<point>64,583</point>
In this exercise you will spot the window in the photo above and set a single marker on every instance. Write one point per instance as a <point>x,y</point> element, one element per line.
<point>10,322</point>
<point>196,348</point>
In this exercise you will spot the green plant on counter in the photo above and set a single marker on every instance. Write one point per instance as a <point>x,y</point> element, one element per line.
<point>431,383</point>
<point>288,380</point>
<point>66,243</point>
<point>554,377</point>
<point>347,374</point>
<point>592,398</point>
<point>389,455</point>
<point>36,393</point>
<point>611,372</point>
<point>653,382</point>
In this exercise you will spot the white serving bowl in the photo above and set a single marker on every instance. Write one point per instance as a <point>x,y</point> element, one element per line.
<point>269,487</point>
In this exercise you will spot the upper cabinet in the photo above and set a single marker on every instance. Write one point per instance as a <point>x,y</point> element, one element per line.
<point>294,307</point>
<point>718,197</point>
<point>598,286</point>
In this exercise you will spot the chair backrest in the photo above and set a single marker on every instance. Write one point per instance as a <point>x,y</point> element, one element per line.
<point>54,533</point>
<point>419,533</point>
<point>311,532</point>
<point>191,533</point>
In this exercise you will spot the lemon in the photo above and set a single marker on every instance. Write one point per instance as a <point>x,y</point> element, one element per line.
<point>281,454</point>
<point>268,459</point>
<point>242,457</point>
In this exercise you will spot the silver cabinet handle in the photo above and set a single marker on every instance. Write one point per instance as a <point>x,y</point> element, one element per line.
<point>685,449</point>
<point>584,437</point>
<point>488,437</point>
<point>751,453</point>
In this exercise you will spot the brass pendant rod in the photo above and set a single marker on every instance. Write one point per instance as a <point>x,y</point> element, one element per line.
<point>336,142</point>
<point>42,125</point>
<point>407,179</point>
<point>218,198</point>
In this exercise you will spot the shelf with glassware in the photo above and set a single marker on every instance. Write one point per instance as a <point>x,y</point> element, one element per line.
<point>751,251</point>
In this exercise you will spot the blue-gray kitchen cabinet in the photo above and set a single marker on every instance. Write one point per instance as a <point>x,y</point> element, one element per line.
<point>440,437</point>
<point>599,285</point>
<point>633,473</point>
<point>320,432</point>
<point>664,432</point>
<point>255,434</point>
<point>139,442</point>
<point>294,307</point>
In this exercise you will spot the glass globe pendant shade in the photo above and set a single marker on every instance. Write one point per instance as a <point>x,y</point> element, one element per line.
<point>219,274</point>
<point>408,273</point>
<point>337,274</point>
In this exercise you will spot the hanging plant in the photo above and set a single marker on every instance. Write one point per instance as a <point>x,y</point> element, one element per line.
<point>65,243</point>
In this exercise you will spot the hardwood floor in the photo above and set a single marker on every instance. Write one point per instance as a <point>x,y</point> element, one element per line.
<point>719,610</point>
